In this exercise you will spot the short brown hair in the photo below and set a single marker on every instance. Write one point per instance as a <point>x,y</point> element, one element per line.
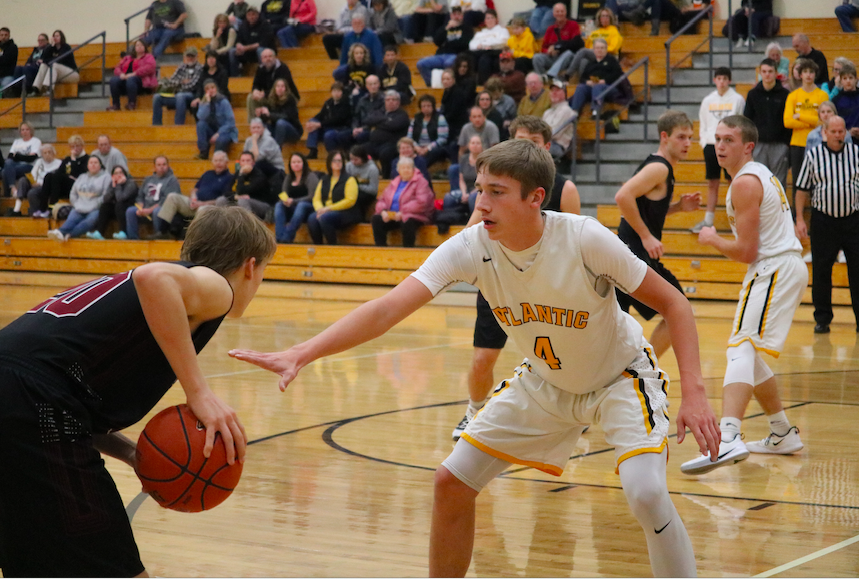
<point>748,130</point>
<point>522,161</point>
<point>534,126</point>
<point>222,238</point>
<point>848,68</point>
<point>670,120</point>
<point>806,64</point>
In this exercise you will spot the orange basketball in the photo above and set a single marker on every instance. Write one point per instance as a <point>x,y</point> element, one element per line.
<point>172,468</point>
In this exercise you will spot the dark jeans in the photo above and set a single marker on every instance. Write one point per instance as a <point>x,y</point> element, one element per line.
<point>426,24</point>
<point>385,152</point>
<point>328,224</point>
<point>130,86</point>
<point>205,131</point>
<point>287,220</point>
<point>332,43</point>
<point>740,24</point>
<point>289,36</point>
<point>12,171</point>
<point>487,64</point>
<point>161,38</point>
<point>409,229</point>
<point>110,210</point>
<point>797,154</point>
<point>828,236</point>
<point>56,186</point>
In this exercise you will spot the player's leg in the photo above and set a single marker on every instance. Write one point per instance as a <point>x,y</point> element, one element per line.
<point>713,175</point>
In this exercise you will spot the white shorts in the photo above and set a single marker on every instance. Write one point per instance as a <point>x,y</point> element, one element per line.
<point>772,289</point>
<point>531,422</point>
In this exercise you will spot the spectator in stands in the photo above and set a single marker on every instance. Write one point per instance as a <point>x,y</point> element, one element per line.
<point>782,64</point>
<point>800,113</point>
<point>458,204</point>
<point>429,131</point>
<point>574,68</point>
<point>395,75</point>
<point>334,202</point>
<point>803,49</point>
<point>236,12</point>
<point>406,204</point>
<point>366,174</point>
<point>134,74</point>
<point>513,80</point>
<point>354,74</point>
<point>164,25</point>
<point>754,11</point>
<point>383,21</point>
<point>542,17</point>
<point>847,101</point>
<point>636,11</point>
<point>296,200</point>
<point>845,13</point>
<point>360,35</point>
<point>404,9</point>
<point>268,158</point>
<point>825,111</point>
<point>275,12</point>
<point>455,101</point>
<point>109,155</point>
<point>795,79</point>
<point>182,85</point>
<point>388,127</point>
<point>722,102</point>
<point>562,36</point>
<point>765,107</point>
<point>406,150</point>
<point>429,17</point>
<point>599,75</point>
<point>270,69</point>
<point>216,72</point>
<point>44,165</point>
<point>487,44</point>
<point>503,103</point>
<point>280,114</point>
<point>252,188</point>
<point>537,100</point>
<point>63,71</point>
<point>333,42</point>
<point>478,126</point>
<point>833,86</point>
<point>473,11</point>
<point>58,184</point>
<point>216,123</point>
<point>121,194</point>
<point>254,36</point>
<point>451,40</point>
<point>371,102</point>
<point>8,57</point>
<point>334,116</point>
<point>484,101</point>
<point>301,23</point>
<point>22,154</point>
<point>152,193</point>
<point>522,46</point>
<point>464,72</point>
<point>86,197</point>
<point>558,115</point>
<point>31,68</point>
<point>223,39</point>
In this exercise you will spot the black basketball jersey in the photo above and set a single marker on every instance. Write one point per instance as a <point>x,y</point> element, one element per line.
<point>652,212</point>
<point>554,203</point>
<point>94,338</point>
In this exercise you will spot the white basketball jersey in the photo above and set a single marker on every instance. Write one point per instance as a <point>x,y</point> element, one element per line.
<point>776,224</point>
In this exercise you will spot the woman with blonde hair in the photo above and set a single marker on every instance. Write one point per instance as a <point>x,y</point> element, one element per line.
<point>47,163</point>
<point>22,154</point>
<point>358,68</point>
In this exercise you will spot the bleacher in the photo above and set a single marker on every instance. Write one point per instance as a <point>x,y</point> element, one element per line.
<point>703,273</point>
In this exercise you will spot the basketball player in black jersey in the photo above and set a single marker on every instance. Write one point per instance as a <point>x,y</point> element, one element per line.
<point>95,359</point>
<point>645,200</point>
<point>489,338</point>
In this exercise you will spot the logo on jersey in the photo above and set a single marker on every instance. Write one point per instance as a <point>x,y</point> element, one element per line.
<point>77,300</point>
<point>542,314</point>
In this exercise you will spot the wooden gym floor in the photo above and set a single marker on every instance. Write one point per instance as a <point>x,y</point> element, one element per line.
<point>338,479</point>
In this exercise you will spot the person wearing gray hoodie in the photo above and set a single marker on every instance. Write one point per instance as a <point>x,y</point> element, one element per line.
<point>151,194</point>
<point>267,154</point>
<point>86,197</point>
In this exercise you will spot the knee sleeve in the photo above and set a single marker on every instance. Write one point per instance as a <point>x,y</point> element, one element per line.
<point>746,366</point>
<point>472,466</point>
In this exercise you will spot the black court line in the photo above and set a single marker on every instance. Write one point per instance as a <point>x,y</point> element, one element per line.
<point>761,506</point>
<point>563,488</point>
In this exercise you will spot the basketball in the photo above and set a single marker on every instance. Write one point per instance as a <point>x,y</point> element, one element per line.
<point>172,468</point>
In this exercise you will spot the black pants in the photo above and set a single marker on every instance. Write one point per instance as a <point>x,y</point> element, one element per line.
<point>426,24</point>
<point>385,152</point>
<point>57,185</point>
<point>487,64</point>
<point>797,154</point>
<point>332,44</point>
<point>110,210</point>
<point>828,235</point>
<point>408,227</point>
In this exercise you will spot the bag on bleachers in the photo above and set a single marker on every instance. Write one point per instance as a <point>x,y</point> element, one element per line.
<point>60,210</point>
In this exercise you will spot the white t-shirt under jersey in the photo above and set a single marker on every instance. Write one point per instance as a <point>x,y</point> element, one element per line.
<point>776,225</point>
<point>555,300</point>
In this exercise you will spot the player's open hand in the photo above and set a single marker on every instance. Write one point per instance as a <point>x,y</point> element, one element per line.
<point>690,201</point>
<point>278,362</point>
<point>696,414</point>
<point>218,417</point>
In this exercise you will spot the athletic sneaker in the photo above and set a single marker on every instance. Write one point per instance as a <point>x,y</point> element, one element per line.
<point>95,235</point>
<point>56,235</point>
<point>775,444</point>
<point>463,424</point>
<point>120,235</point>
<point>700,225</point>
<point>730,452</point>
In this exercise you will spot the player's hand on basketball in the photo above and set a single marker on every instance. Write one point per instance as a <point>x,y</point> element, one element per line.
<point>218,417</point>
<point>277,362</point>
<point>800,228</point>
<point>707,235</point>
<point>653,246</point>
<point>690,201</point>
<point>697,415</point>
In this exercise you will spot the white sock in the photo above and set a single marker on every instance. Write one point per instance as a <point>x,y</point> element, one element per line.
<point>710,217</point>
<point>779,424</point>
<point>474,407</point>
<point>18,203</point>
<point>730,428</point>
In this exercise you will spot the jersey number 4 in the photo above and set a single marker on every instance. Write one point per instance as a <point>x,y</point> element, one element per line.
<point>543,349</point>
<point>75,301</point>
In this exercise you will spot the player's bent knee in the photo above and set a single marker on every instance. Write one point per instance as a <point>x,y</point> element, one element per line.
<point>447,485</point>
<point>484,359</point>
<point>741,364</point>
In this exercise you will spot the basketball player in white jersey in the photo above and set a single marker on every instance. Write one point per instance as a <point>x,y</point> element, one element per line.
<point>549,278</point>
<point>764,237</point>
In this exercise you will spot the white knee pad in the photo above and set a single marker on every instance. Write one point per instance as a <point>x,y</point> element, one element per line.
<point>473,466</point>
<point>746,366</point>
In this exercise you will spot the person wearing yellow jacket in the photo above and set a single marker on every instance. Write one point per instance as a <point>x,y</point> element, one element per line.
<point>800,114</point>
<point>335,202</point>
<point>522,44</point>
<point>571,64</point>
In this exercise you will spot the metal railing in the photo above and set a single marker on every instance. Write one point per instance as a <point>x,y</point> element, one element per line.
<point>22,80</point>
<point>669,70</point>
<point>731,33</point>
<point>51,83</point>
<point>128,20</point>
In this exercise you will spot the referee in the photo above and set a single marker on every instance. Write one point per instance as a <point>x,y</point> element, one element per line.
<point>830,176</point>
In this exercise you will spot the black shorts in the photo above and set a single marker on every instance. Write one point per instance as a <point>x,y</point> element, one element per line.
<point>60,512</point>
<point>625,300</point>
<point>711,162</point>
<point>487,331</point>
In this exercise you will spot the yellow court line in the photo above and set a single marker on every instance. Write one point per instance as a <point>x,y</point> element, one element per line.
<point>811,557</point>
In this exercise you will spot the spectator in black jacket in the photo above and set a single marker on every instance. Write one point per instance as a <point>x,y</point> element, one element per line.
<point>451,40</point>
<point>252,188</point>
<point>8,57</point>
<point>597,77</point>
<point>394,74</point>
<point>31,68</point>
<point>388,127</point>
<point>455,104</point>
<point>803,48</point>
<point>255,35</point>
<point>370,103</point>
<point>64,71</point>
<point>334,116</point>
<point>58,184</point>
<point>280,114</point>
<point>270,68</point>
<point>765,107</point>
<point>275,12</point>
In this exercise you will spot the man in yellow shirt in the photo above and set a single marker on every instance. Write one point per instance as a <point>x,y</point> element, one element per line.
<point>800,114</point>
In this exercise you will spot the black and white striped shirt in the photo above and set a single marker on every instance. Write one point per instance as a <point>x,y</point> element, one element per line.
<point>832,178</point>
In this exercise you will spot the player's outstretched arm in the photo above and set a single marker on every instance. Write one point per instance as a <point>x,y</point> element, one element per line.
<point>364,323</point>
<point>175,298</point>
<point>641,184</point>
<point>746,196</point>
<point>695,412</point>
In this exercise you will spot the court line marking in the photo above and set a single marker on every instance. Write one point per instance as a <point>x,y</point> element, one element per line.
<point>807,558</point>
